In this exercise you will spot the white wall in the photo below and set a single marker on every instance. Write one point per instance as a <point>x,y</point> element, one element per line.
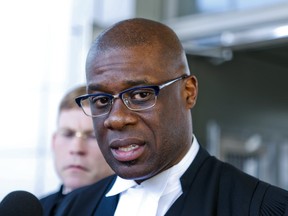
<point>42,55</point>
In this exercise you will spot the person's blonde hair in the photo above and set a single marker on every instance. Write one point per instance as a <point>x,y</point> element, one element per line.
<point>68,100</point>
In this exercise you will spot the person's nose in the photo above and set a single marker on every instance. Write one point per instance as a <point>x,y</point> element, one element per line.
<point>78,146</point>
<point>119,116</point>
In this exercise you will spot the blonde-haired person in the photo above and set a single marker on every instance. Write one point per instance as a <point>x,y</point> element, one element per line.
<point>77,157</point>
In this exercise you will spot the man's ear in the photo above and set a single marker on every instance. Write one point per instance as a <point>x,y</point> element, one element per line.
<point>191,91</point>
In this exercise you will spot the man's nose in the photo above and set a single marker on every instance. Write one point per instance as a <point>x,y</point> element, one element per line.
<point>119,116</point>
<point>78,145</point>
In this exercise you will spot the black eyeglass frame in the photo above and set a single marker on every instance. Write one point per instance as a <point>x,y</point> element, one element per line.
<point>156,89</point>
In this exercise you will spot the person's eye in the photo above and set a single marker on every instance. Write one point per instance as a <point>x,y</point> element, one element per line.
<point>142,95</point>
<point>67,133</point>
<point>91,136</point>
<point>99,101</point>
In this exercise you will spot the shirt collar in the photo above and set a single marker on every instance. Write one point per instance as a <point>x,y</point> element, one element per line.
<point>159,182</point>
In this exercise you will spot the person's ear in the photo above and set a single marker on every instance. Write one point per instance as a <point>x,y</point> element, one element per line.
<point>191,91</point>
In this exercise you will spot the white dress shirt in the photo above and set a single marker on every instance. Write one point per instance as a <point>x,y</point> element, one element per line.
<point>155,195</point>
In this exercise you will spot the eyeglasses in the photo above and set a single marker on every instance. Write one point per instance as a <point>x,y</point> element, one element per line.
<point>135,99</point>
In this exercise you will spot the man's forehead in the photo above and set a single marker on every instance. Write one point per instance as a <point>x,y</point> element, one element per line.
<point>148,58</point>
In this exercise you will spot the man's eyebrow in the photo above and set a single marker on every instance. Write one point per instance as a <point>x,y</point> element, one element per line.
<point>94,87</point>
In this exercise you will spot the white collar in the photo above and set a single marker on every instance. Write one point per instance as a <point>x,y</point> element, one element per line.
<point>158,183</point>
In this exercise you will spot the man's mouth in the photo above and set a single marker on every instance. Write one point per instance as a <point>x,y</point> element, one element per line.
<point>77,167</point>
<point>128,152</point>
<point>128,148</point>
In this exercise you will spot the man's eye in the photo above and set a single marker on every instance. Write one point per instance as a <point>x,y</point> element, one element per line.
<point>142,95</point>
<point>91,136</point>
<point>99,101</point>
<point>68,133</point>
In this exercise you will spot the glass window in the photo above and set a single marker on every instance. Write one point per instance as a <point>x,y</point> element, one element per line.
<point>188,7</point>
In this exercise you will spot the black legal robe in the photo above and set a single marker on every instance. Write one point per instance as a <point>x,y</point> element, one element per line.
<point>210,188</point>
<point>51,202</point>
